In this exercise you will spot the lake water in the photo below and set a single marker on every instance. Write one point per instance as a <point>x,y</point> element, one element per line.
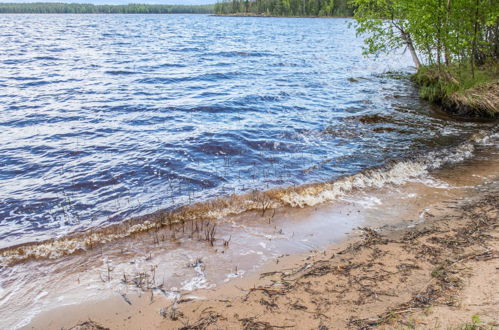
<point>107,117</point>
<point>104,117</point>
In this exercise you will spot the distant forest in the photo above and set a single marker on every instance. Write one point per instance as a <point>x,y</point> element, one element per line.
<point>285,7</point>
<point>244,7</point>
<point>77,8</point>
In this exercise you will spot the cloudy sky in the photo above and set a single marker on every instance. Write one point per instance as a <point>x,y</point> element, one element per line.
<point>120,2</point>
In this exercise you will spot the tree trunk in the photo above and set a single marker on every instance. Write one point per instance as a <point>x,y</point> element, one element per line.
<point>407,38</point>
<point>439,37</point>
<point>447,36</point>
<point>473,49</point>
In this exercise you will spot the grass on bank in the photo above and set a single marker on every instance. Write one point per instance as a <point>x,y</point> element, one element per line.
<point>460,90</point>
<point>475,324</point>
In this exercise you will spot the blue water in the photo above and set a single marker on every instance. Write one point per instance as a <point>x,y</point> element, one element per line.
<point>104,117</point>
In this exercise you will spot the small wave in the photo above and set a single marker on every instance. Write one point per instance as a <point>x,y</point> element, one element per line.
<point>239,54</point>
<point>170,65</point>
<point>186,49</point>
<point>120,72</point>
<point>215,76</point>
<point>46,58</point>
<point>211,77</point>
<point>393,173</point>
<point>14,62</point>
<point>226,144</point>
<point>36,83</point>
<point>20,78</point>
<point>197,282</point>
<point>158,80</point>
<point>257,99</point>
<point>46,82</point>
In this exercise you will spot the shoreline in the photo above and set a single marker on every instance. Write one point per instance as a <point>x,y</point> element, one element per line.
<point>435,274</point>
<point>442,211</point>
<point>307,195</point>
<point>410,243</point>
<point>459,94</point>
<point>273,16</point>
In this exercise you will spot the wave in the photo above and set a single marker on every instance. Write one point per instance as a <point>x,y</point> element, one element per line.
<point>211,77</point>
<point>394,172</point>
<point>239,54</point>
<point>46,58</point>
<point>120,72</point>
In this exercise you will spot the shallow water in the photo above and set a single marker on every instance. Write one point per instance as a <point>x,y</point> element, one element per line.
<point>105,117</point>
<point>178,264</point>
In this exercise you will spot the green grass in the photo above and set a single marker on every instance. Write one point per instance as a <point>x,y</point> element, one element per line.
<point>456,86</point>
<point>437,83</point>
<point>475,324</point>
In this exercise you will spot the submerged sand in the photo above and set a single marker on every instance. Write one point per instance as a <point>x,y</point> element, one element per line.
<point>424,257</point>
<point>439,274</point>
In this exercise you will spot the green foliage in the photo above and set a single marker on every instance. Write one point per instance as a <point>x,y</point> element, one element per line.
<point>78,8</point>
<point>439,31</point>
<point>435,83</point>
<point>476,324</point>
<point>461,89</point>
<point>454,45</point>
<point>285,7</point>
<point>380,21</point>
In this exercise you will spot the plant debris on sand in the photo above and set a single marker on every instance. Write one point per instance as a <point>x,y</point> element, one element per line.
<point>388,281</point>
<point>88,325</point>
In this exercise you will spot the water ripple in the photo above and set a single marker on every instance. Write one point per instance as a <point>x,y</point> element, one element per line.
<point>109,116</point>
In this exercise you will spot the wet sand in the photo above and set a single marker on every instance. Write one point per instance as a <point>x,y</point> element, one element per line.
<point>435,267</point>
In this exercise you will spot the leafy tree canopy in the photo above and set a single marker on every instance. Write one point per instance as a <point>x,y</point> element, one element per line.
<point>436,32</point>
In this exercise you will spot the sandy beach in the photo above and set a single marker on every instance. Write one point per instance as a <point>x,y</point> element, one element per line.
<point>440,273</point>
<point>163,171</point>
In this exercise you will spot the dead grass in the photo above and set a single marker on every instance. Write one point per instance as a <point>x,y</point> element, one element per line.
<point>375,282</point>
<point>483,98</point>
<point>88,325</point>
<point>460,92</point>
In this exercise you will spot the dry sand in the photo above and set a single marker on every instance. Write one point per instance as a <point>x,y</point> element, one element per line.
<point>439,274</point>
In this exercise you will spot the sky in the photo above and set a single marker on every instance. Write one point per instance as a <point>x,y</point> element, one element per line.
<point>121,2</point>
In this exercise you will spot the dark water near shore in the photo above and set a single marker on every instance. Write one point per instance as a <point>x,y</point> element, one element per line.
<point>104,117</point>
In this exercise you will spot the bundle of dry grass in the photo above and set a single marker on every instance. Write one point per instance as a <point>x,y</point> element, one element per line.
<point>483,99</point>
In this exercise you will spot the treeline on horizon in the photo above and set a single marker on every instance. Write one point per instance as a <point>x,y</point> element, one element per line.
<point>285,7</point>
<point>80,8</point>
